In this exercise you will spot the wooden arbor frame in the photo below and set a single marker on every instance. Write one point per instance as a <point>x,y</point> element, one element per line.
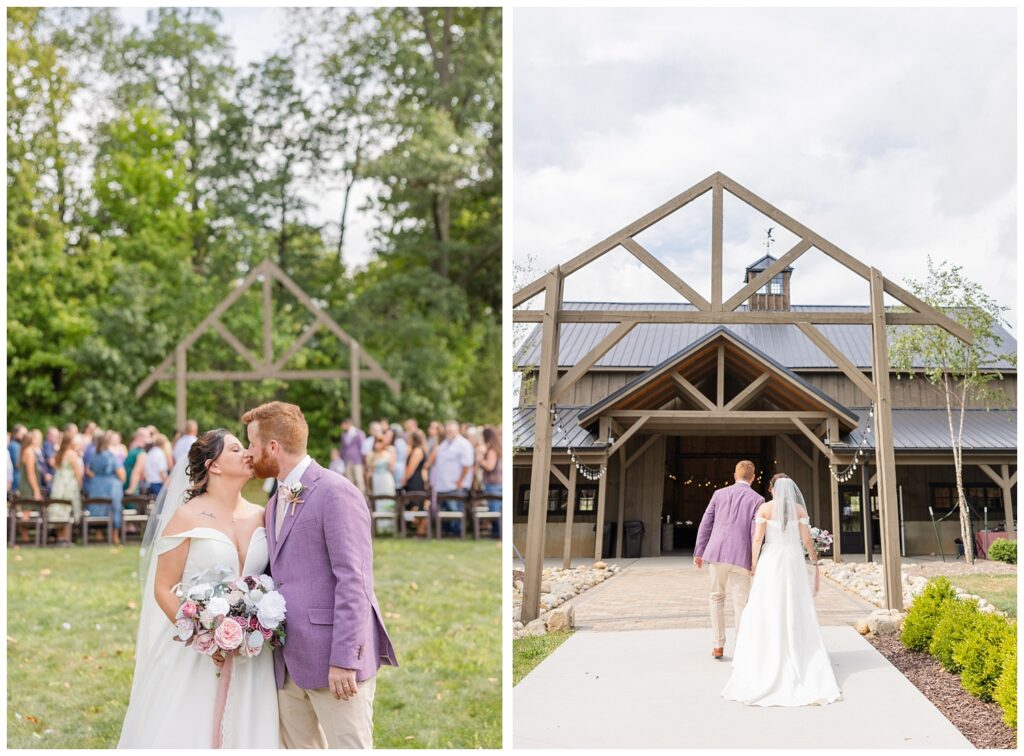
<point>266,368</point>
<point>719,311</point>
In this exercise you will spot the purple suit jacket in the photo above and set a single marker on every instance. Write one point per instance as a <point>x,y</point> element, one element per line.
<point>322,564</point>
<point>726,529</point>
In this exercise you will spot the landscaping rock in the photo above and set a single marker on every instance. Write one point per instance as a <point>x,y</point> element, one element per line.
<point>535,628</point>
<point>560,619</point>
<point>862,627</point>
<point>885,621</point>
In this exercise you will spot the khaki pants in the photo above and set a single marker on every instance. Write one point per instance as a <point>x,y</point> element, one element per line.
<point>739,586</point>
<point>355,474</point>
<point>316,719</point>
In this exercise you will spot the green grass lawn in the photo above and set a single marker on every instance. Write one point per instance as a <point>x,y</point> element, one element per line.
<point>527,653</point>
<point>998,590</point>
<point>67,687</point>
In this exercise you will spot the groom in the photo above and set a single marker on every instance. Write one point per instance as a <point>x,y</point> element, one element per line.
<point>724,541</point>
<point>318,534</point>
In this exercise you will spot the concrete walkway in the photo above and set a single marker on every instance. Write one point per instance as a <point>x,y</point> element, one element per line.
<point>671,593</point>
<point>660,689</point>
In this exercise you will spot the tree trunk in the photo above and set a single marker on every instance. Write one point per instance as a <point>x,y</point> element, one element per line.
<point>956,440</point>
<point>442,231</point>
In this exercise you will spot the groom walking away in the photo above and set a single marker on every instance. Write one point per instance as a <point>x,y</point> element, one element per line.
<point>318,532</point>
<point>724,542</point>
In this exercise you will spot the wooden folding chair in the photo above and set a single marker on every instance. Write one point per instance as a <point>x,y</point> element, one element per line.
<point>421,498</point>
<point>30,512</point>
<point>376,516</point>
<point>442,516</point>
<point>106,520</point>
<point>136,509</point>
<point>481,511</point>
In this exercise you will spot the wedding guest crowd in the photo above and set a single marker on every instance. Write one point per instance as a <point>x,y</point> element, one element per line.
<point>450,458</point>
<point>73,466</point>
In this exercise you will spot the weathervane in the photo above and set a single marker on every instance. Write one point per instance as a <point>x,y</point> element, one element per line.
<point>769,240</point>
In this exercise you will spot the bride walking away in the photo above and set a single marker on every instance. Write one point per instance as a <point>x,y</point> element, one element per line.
<point>780,657</point>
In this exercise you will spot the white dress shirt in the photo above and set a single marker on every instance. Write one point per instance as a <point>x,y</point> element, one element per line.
<point>289,480</point>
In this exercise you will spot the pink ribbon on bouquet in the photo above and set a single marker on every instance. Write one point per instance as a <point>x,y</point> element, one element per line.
<point>221,701</point>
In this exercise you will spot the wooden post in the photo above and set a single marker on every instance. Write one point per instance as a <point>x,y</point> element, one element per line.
<point>268,319</point>
<point>622,502</point>
<point>716,245</point>
<point>354,373</point>
<point>570,510</point>
<point>1007,497</point>
<point>180,368</point>
<point>602,488</point>
<point>541,470</point>
<point>815,490</point>
<point>885,453</point>
<point>837,549</point>
<point>720,387</point>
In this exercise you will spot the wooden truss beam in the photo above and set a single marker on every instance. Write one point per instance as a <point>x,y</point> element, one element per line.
<point>852,372</point>
<point>693,392</point>
<point>720,377</point>
<point>748,393</point>
<point>755,317</point>
<point>580,368</point>
<point>665,274</point>
<point>810,435</point>
<point>716,242</point>
<point>586,257</point>
<point>630,432</point>
<point>767,275</point>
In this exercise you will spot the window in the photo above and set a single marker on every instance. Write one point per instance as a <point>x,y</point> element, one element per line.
<point>772,287</point>
<point>944,499</point>
<point>586,500</point>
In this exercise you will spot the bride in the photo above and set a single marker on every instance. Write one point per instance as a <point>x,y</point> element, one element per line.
<point>780,657</point>
<point>200,522</point>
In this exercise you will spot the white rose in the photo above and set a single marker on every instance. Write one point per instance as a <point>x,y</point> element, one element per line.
<point>198,591</point>
<point>206,618</point>
<point>217,606</point>
<point>267,582</point>
<point>185,628</point>
<point>255,641</point>
<point>271,610</point>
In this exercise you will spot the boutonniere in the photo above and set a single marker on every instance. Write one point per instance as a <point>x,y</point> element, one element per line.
<point>291,495</point>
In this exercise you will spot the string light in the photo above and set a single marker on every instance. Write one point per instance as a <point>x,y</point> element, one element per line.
<point>858,456</point>
<point>587,471</point>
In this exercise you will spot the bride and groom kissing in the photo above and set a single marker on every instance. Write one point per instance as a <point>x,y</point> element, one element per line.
<point>313,539</point>
<point>756,549</point>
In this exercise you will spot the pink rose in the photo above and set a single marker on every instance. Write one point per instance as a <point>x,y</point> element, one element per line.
<point>205,644</point>
<point>253,622</point>
<point>189,609</point>
<point>228,634</point>
<point>253,644</point>
<point>266,633</point>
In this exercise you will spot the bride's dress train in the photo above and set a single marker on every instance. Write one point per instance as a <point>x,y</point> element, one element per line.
<point>780,657</point>
<point>175,688</point>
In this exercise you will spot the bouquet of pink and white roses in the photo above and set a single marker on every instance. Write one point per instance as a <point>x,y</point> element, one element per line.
<point>821,539</point>
<point>233,615</point>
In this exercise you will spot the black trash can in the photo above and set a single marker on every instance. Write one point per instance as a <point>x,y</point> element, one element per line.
<point>608,540</point>
<point>632,539</point>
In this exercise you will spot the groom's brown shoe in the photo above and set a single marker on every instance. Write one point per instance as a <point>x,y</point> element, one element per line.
<point>716,653</point>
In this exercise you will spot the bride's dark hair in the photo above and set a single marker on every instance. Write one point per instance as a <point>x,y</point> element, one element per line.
<point>201,455</point>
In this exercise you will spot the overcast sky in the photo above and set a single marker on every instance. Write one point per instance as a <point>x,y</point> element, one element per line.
<point>890,133</point>
<point>255,33</point>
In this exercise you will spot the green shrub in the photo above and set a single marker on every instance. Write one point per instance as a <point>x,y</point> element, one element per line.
<point>980,655</point>
<point>1005,693</point>
<point>957,620</point>
<point>1003,550</point>
<point>925,613</point>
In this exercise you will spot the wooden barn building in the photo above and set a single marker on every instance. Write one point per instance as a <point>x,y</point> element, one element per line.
<point>651,405</point>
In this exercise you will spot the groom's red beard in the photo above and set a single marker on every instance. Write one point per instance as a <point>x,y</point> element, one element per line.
<point>266,466</point>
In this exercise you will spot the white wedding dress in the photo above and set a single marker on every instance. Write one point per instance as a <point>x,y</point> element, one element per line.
<point>174,688</point>
<point>780,657</point>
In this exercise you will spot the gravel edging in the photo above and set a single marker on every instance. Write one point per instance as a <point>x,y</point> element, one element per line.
<point>980,722</point>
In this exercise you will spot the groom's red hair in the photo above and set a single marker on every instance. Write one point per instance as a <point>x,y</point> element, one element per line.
<point>281,422</point>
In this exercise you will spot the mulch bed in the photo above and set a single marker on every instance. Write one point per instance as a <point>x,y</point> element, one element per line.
<point>980,722</point>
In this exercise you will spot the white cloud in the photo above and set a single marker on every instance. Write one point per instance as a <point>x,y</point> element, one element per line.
<point>891,133</point>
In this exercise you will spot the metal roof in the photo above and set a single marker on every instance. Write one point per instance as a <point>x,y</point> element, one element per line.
<point>928,430</point>
<point>680,356</point>
<point>924,430</point>
<point>650,344</point>
<point>759,265</point>
<point>575,436</point>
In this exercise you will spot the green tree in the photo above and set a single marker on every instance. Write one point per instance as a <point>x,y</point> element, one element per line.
<point>960,371</point>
